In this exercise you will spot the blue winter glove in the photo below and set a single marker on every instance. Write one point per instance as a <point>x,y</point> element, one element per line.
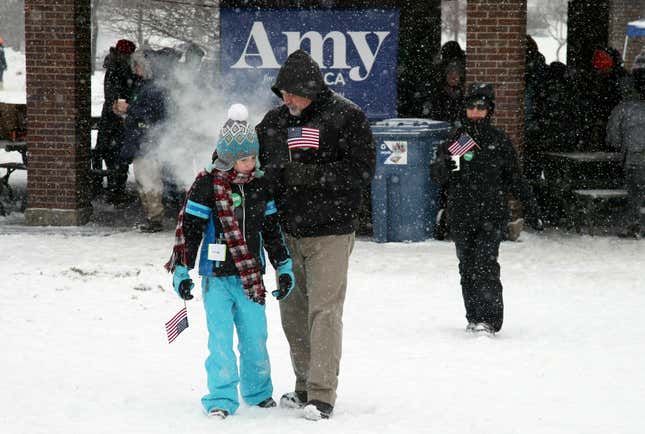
<point>182,282</point>
<point>286,280</point>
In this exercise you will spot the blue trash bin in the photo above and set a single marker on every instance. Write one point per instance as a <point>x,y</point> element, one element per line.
<point>404,198</point>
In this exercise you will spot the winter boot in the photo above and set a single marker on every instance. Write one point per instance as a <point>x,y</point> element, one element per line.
<point>218,413</point>
<point>482,327</point>
<point>316,410</point>
<point>267,403</point>
<point>297,399</point>
<point>151,226</point>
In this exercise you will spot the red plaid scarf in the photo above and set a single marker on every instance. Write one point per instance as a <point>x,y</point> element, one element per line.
<point>245,262</point>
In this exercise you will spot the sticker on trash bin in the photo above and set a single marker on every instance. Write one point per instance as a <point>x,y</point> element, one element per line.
<point>394,152</point>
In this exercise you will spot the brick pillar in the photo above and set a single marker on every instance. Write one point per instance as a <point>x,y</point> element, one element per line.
<point>495,37</point>
<point>57,36</point>
<point>620,13</point>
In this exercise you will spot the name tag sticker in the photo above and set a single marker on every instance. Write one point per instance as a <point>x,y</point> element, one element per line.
<point>217,252</point>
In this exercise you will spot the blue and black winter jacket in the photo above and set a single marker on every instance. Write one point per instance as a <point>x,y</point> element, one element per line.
<point>257,217</point>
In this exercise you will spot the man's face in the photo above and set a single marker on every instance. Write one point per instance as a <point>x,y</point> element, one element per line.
<point>138,69</point>
<point>476,110</point>
<point>296,104</point>
<point>452,78</point>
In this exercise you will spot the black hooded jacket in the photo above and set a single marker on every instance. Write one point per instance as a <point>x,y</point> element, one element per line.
<point>338,168</point>
<point>478,191</point>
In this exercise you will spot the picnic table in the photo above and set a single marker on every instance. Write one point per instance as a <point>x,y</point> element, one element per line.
<point>585,184</point>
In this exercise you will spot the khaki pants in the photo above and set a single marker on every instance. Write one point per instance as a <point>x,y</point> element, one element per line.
<point>147,173</point>
<point>312,314</point>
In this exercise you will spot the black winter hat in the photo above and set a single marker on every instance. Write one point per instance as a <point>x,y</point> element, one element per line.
<point>299,75</point>
<point>481,92</point>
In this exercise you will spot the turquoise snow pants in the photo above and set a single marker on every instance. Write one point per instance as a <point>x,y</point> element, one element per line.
<point>226,305</point>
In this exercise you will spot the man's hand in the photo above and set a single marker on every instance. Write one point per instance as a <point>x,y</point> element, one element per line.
<point>451,164</point>
<point>286,280</point>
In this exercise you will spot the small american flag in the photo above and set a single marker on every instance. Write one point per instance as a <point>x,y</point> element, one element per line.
<point>303,138</point>
<point>462,145</point>
<point>177,324</point>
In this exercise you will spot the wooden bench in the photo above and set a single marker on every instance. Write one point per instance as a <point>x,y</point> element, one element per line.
<point>590,201</point>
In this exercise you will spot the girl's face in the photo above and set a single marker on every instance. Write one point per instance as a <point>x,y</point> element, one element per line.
<point>245,165</point>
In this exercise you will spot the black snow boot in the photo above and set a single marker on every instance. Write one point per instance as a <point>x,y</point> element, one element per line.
<point>297,399</point>
<point>316,410</point>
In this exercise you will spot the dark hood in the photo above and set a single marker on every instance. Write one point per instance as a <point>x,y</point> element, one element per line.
<point>299,75</point>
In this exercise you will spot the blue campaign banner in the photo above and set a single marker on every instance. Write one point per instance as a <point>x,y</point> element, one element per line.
<point>356,49</point>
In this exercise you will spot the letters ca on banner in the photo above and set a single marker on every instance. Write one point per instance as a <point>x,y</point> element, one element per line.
<point>356,49</point>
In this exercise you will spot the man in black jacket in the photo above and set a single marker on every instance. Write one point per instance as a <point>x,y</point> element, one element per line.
<point>317,149</point>
<point>478,183</point>
<point>119,83</point>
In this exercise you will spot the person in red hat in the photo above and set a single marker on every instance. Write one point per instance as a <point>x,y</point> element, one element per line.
<point>118,84</point>
<point>606,89</point>
<point>3,62</point>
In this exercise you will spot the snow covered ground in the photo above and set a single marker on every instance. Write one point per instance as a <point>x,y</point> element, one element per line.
<point>84,347</point>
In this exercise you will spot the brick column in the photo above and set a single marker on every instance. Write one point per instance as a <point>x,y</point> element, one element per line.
<point>620,13</point>
<point>57,36</point>
<point>495,36</point>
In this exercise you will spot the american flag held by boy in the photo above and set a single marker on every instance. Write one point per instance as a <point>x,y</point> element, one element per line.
<point>303,138</point>
<point>462,145</point>
<point>177,324</point>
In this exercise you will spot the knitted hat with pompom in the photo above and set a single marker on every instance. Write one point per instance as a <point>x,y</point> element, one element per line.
<point>237,139</point>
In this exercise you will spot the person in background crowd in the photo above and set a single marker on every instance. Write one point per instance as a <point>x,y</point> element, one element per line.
<point>558,114</point>
<point>143,116</point>
<point>229,207</point>
<point>447,103</point>
<point>3,63</point>
<point>478,182</point>
<point>625,132</point>
<point>451,52</point>
<point>599,95</point>
<point>117,84</point>
<point>318,151</point>
<point>534,94</point>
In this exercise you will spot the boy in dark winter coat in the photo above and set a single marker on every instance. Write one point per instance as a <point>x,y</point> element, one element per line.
<point>229,208</point>
<point>477,188</point>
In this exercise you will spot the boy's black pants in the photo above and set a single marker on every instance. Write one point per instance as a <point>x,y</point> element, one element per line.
<point>477,251</point>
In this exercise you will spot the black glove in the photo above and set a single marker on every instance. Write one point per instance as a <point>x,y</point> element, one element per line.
<point>450,163</point>
<point>300,174</point>
<point>184,289</point>
<point>534,222</point>
<point>182,283</point>
<point>285,285</point>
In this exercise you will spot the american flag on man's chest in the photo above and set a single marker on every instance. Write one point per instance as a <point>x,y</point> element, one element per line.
<point>303,138</point>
